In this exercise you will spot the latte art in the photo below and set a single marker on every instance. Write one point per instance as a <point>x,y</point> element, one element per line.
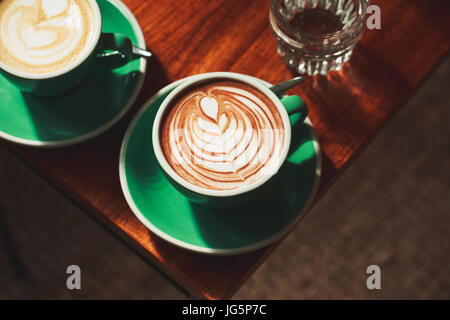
<point>41,36</point>
<point>223,135</point>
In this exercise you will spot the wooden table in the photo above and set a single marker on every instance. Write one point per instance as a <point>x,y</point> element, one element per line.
<point>347,108</point>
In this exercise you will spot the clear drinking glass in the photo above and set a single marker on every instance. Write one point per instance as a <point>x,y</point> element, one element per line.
<point>317,36</point>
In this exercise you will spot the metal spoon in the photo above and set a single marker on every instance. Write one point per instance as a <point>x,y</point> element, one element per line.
<point>280,88</point>
<point>141,52</point>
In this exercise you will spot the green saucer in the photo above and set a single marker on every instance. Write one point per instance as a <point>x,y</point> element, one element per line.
<point>233,230</point>
<point>90,109</point>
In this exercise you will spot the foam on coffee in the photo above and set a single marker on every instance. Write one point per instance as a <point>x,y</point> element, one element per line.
<point>222,135</point>
<point>42,36</point>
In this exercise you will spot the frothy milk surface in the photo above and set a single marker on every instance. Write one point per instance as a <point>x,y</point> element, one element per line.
<point>223,135</point>
<point>42,36</point>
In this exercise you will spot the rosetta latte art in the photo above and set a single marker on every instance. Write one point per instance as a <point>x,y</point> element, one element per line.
<point>223,135</point>
<point>39,36</point>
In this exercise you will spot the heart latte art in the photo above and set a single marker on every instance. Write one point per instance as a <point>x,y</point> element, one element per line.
<point>223,135</point>
<point>41,36</point>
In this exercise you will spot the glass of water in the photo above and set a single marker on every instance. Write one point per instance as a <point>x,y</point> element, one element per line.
<point>317,36</point>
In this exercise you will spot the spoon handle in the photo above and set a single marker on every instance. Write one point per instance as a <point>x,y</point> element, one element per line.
<point>280,88</point>
<point>141,52</point>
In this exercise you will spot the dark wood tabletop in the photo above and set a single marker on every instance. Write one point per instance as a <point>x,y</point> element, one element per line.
<point>347,108</point>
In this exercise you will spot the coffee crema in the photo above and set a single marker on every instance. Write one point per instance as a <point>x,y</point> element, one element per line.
<point>222,135</point>
<point>43,36</point>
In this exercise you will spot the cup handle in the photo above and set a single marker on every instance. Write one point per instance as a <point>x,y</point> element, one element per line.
<point>114,50</point>
<point>296,108</point>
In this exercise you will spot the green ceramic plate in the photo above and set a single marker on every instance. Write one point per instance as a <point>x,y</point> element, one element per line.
<point>92,108</point>
<point>215,231</point>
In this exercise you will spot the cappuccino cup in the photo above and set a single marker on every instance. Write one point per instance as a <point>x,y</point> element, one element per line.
<point>47,47</point>
<point>221,137</point>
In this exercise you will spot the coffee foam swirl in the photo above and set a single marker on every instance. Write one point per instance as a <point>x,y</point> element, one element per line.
<point>41,36</point>
<point>223,135</point>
